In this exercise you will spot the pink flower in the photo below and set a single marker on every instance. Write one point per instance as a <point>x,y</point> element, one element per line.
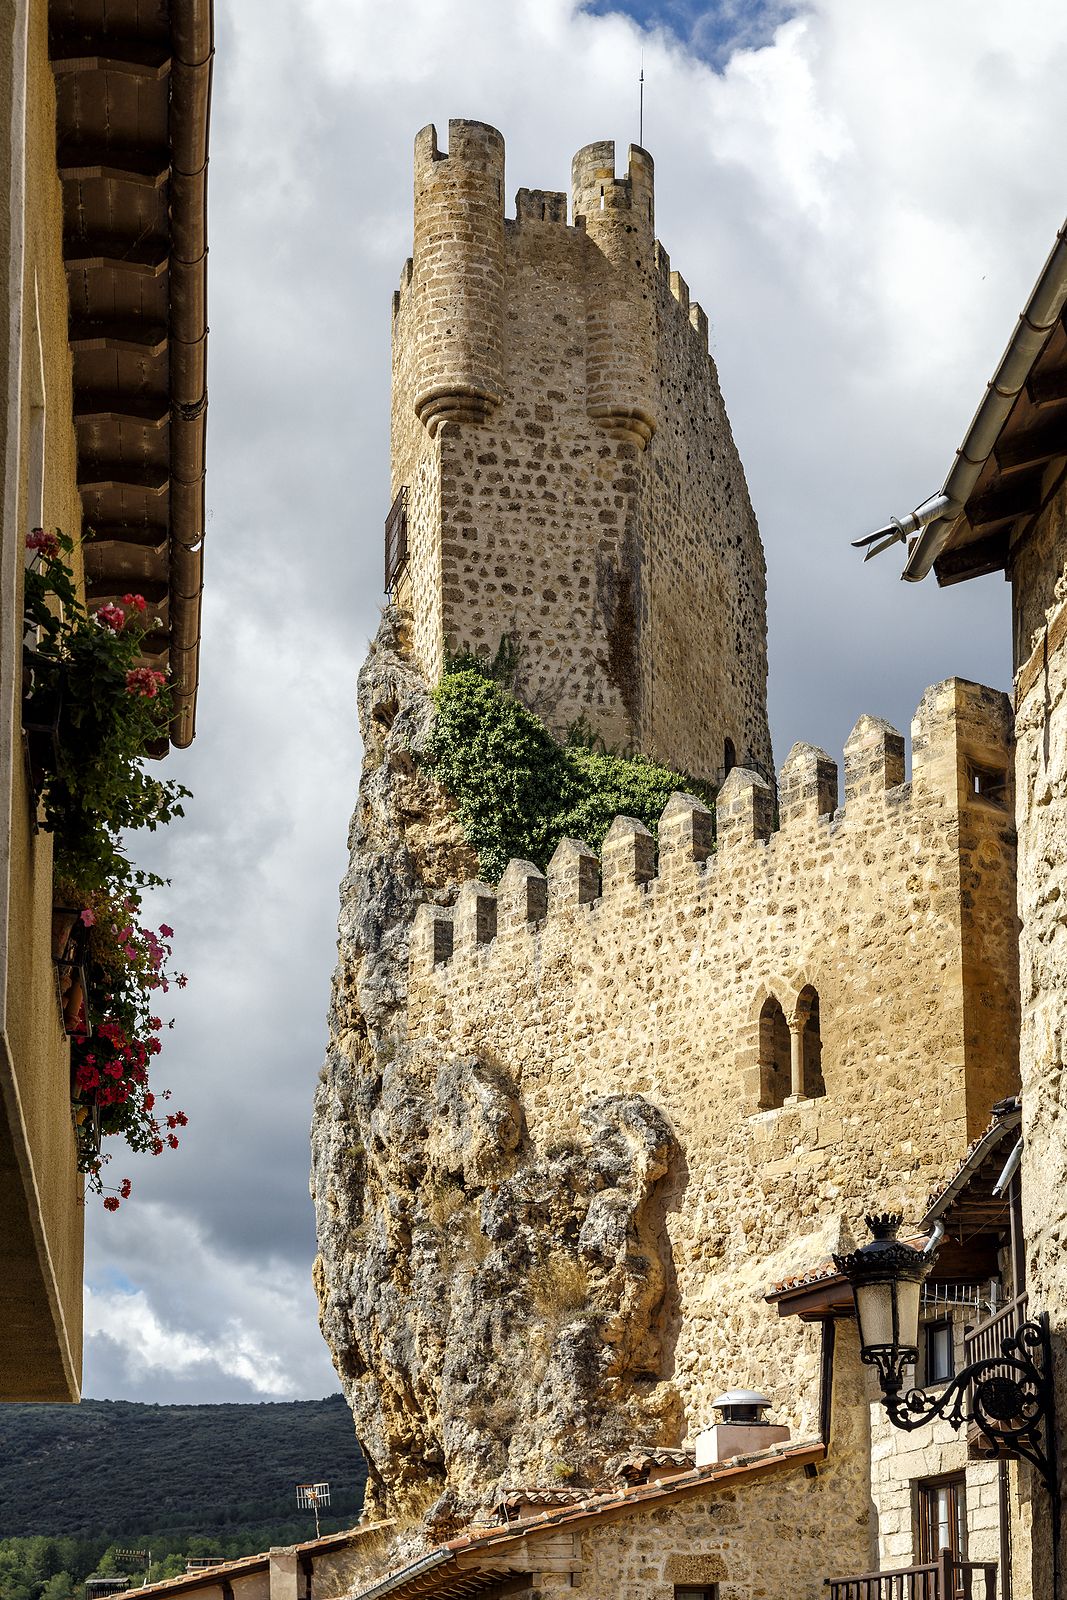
<point>144,681</point>
<point>46,544</point>
<point>168,933</point>
<point>136,600</point>
<point>112,617</point>
<point>88,917</point>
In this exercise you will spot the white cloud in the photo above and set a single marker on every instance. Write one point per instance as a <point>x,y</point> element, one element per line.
<point>169,1316</point>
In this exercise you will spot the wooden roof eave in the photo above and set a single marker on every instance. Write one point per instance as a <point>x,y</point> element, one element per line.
<point>137,274</point>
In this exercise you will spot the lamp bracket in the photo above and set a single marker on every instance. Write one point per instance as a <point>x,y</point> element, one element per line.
<point>1007,1396</point>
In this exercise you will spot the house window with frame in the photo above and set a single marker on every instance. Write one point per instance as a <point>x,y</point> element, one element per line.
<point>942,1517</point>
<point>938,1358</point>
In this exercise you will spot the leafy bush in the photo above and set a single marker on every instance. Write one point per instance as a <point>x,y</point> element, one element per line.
<point>93,710</point>
<point>517,789</point>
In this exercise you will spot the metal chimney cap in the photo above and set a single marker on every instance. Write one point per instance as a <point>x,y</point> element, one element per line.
<point>742,1407</point>
<point>741,1397</point>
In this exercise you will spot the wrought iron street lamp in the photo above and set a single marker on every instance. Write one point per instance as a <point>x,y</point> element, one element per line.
<point>1008,1397</point>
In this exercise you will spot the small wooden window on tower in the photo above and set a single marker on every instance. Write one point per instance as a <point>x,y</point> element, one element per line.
<point>989,783</point>
<point>396,540</point>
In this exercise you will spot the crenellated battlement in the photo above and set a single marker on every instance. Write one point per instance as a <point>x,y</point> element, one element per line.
<point>596,191</point>
<point>961,742</point>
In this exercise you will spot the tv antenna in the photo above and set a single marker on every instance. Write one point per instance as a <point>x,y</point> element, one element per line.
<point>310,1496</point>
<point>641,104</point>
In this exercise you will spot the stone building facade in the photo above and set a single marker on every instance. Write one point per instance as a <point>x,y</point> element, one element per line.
<point>570,475</point>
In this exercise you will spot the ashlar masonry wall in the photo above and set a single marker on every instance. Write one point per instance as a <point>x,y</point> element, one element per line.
<point>572,479</point>
<point>645,975</point>
<point>1039,581</point>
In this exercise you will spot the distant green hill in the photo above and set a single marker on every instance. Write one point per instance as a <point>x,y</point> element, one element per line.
<point>114,1467</point>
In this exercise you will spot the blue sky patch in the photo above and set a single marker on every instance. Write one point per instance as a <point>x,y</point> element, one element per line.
<point>712,32</point>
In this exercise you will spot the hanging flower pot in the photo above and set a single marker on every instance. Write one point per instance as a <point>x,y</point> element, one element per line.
<point>64,922</point>
<point>42,710</point>
<point>75,1015</point>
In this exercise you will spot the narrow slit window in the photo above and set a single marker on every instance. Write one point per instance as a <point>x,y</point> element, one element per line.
<point>991,784</point>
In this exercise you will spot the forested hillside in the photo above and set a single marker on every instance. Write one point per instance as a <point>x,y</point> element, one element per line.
<point>112,1467</point>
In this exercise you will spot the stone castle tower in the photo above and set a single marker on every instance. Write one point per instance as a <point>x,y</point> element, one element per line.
<point>570,478</point>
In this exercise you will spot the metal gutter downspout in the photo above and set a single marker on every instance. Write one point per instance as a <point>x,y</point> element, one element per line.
<point>192,24</point>
<point>1039,317</point>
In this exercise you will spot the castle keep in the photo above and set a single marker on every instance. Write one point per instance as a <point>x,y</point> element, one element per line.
<point>586,1139</point>
<point>568,467</point>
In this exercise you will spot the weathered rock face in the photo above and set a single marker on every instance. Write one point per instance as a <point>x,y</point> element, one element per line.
<point>491,1302</point>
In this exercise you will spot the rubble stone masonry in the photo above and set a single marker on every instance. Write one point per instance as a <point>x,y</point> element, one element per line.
<point>628,976</point>
<point>572,479</point>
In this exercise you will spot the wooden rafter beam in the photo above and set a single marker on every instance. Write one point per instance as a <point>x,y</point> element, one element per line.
<point>972,560</point>
<point>145,535</point>
<point>131,57</point>
<point>102,475</point>
<point>152,411</point>
<point>148,168</point>
<point>1043,442</point>
<point>1047,388</point>
<point>118,333</point>
<point>1018,496</point>
<point>117,255</point>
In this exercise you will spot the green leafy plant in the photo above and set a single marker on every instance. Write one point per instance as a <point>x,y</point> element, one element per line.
<point>87,679</point>
<point>517,789</point>
<point>96,710</point>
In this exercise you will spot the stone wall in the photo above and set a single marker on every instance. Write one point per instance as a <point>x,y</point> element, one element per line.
<point>1039,578</point>
<point>571,473</point>
<point>780,1535</point>
<point>625,977</point>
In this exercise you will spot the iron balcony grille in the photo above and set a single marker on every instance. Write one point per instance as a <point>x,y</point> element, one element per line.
<point>396,540</point>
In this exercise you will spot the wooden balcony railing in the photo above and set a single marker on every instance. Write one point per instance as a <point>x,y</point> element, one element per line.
<point>983,1341</point>
<point>943,1579</point>
<point>396,540</point>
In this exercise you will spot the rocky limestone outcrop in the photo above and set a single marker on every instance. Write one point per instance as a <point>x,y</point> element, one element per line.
<point>491,1303</point>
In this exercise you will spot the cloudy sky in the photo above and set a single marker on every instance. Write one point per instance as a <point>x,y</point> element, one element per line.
<point>859,192</point>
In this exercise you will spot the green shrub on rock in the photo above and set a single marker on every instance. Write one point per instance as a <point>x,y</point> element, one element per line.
<point>519,791</point>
